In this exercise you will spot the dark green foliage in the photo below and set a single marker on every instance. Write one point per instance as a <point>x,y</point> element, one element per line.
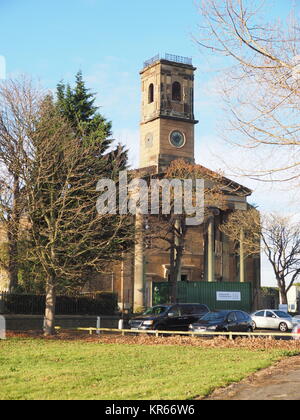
<point>77,105</point>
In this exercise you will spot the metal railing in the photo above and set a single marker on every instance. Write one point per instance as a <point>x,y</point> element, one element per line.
<point>169,57</point>
<point>179,59</point>
<point>157,333</point>
<point>152,60</point>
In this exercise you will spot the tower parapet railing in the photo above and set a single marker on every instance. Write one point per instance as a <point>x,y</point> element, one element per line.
<point>169,57</point>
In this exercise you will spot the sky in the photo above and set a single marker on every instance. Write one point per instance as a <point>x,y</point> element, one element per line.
<point>109,41</point>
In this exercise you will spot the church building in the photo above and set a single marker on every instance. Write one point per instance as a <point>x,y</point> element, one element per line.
<point>167,134</point>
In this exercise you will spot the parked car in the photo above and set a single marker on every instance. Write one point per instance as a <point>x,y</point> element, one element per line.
<point>169,317</point>
<point>272,319</point>
<point>227,321</point>
<point>296,330</point>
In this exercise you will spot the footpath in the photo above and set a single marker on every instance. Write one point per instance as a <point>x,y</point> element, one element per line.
<point>279,382</point>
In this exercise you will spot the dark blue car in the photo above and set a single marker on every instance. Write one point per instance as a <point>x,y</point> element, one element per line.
<point>223,321</point>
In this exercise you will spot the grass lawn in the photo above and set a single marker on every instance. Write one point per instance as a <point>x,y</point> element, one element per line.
<point>46,369</point>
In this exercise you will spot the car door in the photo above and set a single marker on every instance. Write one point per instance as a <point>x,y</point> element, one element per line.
<point>232,323</point>
<point>260,319</point>
<point>242,324</point>
<point>173,318</point>
<point>186,317</point>
<point>271,320</point>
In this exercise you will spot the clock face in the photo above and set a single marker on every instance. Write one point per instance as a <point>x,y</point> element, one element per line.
<point>177,139</point>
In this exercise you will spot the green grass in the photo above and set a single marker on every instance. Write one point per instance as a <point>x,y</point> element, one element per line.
<point>42,369</point>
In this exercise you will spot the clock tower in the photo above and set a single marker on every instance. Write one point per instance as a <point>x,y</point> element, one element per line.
<point>167,121</point>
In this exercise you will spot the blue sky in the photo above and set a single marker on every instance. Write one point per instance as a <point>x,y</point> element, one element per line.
<point>109,41</point>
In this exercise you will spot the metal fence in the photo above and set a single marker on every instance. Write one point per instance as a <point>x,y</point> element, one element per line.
<point>203,334</point>
<point>179,59</point>
<point>94,304</point>
<point>169,57</point>
<point>217,296</point>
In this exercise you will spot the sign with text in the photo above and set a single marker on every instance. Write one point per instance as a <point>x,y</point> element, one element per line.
<point>229,296</point>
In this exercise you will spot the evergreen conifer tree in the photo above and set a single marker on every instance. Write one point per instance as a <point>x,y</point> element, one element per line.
<point>78,106</point>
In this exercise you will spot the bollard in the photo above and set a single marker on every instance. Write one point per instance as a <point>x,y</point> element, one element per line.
<point>2,328</point>
<point>98,325</point>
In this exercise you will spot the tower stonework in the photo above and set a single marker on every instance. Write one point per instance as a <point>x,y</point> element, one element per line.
<point>167,121</point>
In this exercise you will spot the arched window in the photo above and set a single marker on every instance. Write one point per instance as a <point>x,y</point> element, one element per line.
<point>176,91</point>
<point>151,94</point>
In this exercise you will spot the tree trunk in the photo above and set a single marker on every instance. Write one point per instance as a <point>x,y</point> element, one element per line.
<point>283,296</point>
<point>282,290</point>
<point>49,325</point>
<point>13,228</point>
<point>173,281</point>
<point>242,256</point>
<point>177,248</point>
<point>12,264</point>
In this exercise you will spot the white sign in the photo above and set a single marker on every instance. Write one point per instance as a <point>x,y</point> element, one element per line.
<point>229,296</point>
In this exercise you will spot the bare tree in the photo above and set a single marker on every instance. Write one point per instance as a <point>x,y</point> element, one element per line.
<point>261,86</point>
<point>18,105</point>
<point>70,239</point>
<point>168,232</point>
<point>278,237</point>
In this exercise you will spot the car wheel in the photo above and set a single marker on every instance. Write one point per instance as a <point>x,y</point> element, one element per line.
<point>283,327</point>
<point>249,329</point>
<point>253,326</point>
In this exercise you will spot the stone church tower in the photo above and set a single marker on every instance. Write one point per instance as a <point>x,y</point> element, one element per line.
<point>167,120</point>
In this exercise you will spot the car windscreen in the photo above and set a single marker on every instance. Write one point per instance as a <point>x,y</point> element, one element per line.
<point>156,310</point>
<point>281,314</point>
<point>214,316</point>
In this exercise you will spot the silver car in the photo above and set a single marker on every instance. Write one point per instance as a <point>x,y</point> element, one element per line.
<point>272,319</point>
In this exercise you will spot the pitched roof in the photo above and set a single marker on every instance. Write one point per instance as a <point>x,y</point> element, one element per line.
<point>231,186</point>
